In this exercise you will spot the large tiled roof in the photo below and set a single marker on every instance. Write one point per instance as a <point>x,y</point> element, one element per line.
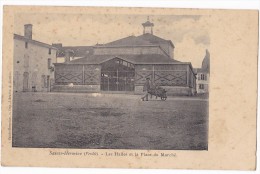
<point>154,39</point>
<point>145,39</point>
<point>128,41</point>
<point>135,59</point>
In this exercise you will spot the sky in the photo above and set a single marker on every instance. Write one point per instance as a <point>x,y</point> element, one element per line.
<point>189,33</point>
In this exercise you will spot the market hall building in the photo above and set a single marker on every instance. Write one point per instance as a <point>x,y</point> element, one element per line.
<point>123,66</point>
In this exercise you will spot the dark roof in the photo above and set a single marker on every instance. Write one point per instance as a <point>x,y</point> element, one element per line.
<point>144,39</point>
<point>198,70</point>
<point>16,36</point>
<point>76,51</point>
<point>128,41</point>
<point>135,59</point>
<point>154,39</point>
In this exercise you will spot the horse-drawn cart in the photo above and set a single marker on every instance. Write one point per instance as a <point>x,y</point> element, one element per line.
<point>158,91</point>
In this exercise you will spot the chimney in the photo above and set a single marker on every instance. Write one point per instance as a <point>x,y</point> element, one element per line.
<point>28,31</point>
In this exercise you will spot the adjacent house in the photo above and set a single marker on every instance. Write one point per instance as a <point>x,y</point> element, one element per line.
<point>203,75</point>
<point>33,63</point>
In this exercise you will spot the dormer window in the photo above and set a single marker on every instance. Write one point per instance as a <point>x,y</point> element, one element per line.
<point>49,51</point>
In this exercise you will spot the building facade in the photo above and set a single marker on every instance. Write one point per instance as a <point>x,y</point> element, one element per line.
<point>123,66</point>
<point>33,63</point>
<point>203,75</point>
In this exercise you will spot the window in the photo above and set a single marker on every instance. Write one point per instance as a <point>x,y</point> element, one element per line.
<point>50,51</point>
<point>49,63</point>
<point>202,77</point>
<point>201,86</point>
<point>26,44</point>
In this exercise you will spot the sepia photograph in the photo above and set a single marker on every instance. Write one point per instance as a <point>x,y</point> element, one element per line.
<point>128,87</point>
<point>142,85</point>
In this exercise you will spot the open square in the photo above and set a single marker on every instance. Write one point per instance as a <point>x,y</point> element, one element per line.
<point>109,121</point>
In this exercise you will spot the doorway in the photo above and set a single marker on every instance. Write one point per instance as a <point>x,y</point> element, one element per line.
<point>117,75</point>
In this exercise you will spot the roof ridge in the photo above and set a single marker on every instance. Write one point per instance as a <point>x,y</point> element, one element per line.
<point>121,39</point>
<point>18,36</point>
<point>153,36</point>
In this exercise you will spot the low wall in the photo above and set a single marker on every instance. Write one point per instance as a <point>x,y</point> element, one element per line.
<point>179,91</point>
<point>76,88</point>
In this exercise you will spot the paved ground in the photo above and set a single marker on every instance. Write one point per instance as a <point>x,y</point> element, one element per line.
<point>115,121</point>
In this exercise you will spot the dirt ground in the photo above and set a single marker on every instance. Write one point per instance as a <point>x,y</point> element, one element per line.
<point>109,121</point>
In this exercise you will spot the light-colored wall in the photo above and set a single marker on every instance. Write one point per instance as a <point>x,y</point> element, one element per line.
<point>127,50</point>
<point>204,82</point>
<point>37,66</point>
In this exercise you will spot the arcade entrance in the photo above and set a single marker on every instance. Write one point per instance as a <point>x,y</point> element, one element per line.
<point>117,75</point>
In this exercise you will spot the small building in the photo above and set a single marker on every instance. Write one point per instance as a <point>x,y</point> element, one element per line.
<point>33,63</point>
<point>71,52</point>
<point>203,75</point>
<point>123,66</point>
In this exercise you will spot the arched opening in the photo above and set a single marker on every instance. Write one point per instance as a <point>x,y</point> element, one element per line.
<point>117,75</point>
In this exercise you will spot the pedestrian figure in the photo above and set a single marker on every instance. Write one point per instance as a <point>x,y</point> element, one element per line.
<point>146,89</point>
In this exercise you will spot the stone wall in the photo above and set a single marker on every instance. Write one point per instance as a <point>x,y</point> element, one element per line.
<point>76,88</point>
<point>31,71</point>
<point>128,50</point>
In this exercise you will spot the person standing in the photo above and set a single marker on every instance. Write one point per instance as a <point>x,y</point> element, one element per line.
<point>146,89</point>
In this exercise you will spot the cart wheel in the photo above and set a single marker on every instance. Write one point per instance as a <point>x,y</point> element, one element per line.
<point>163,98</point>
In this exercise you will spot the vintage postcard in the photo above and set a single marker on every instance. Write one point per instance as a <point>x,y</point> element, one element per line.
<point>129,87</point>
